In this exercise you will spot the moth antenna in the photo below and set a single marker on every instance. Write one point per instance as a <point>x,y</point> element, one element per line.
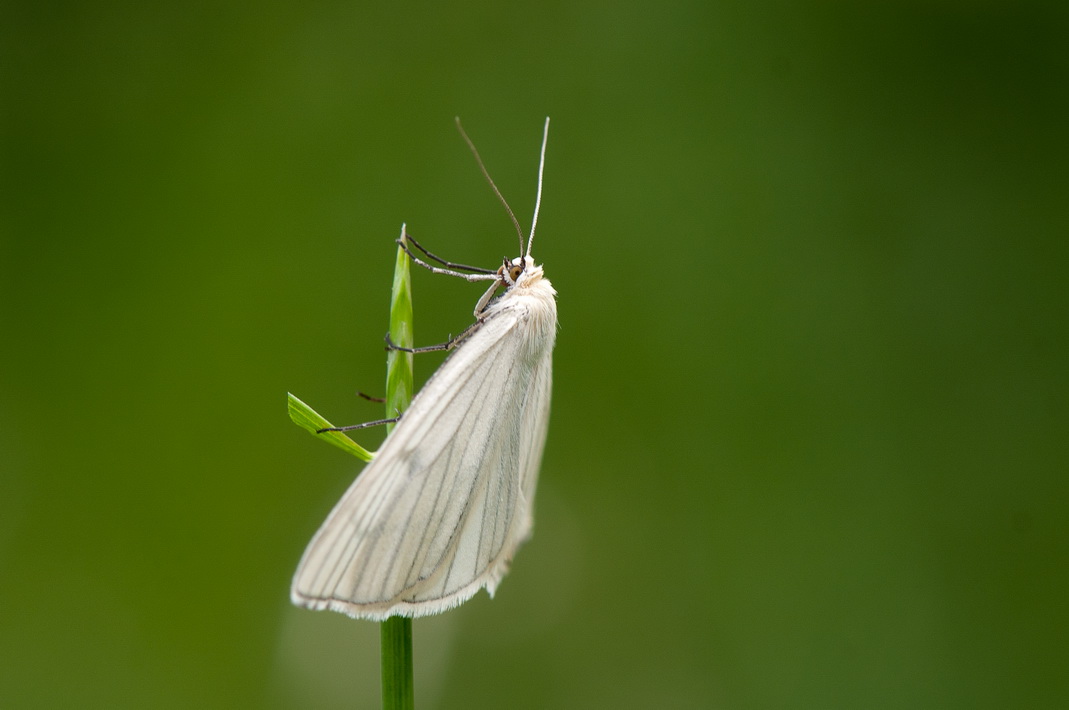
<point>538,196</point>
<point>512,215</point>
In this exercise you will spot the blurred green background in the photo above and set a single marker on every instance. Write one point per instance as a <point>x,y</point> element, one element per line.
<point>809,439</point>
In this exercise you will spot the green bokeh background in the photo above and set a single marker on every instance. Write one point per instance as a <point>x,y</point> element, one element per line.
<point>810,438</point>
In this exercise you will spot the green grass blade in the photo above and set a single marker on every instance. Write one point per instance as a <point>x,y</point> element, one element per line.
<point>396,632</point>
<point>307,418</point>
<point>399,364</point>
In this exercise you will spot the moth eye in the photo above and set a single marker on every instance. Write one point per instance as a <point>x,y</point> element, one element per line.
<point>515,271</point>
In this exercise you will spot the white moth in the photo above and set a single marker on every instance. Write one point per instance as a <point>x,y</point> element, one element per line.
<point>442,508</point>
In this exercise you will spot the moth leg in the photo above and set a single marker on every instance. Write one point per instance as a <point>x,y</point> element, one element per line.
<point>443,262</point>
<point>365,425</point>
<point>482,276</point>
<point>447,345</point>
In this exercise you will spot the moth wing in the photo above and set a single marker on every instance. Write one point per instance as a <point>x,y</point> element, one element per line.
<point>439,511</point>
<point>533,430</point>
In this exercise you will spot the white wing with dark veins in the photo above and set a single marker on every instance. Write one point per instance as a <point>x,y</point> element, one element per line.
<point>443,506</point>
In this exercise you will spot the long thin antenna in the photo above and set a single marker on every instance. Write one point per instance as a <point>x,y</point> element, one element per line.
<point>538,198</point>
<point>512,215</point>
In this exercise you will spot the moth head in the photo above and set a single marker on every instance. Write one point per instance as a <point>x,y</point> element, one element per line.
<point>521,271</point>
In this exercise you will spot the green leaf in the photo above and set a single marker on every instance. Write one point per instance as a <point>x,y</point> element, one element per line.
<point>399,364</point>
<point>307,418</point>
<point>396,632</point>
